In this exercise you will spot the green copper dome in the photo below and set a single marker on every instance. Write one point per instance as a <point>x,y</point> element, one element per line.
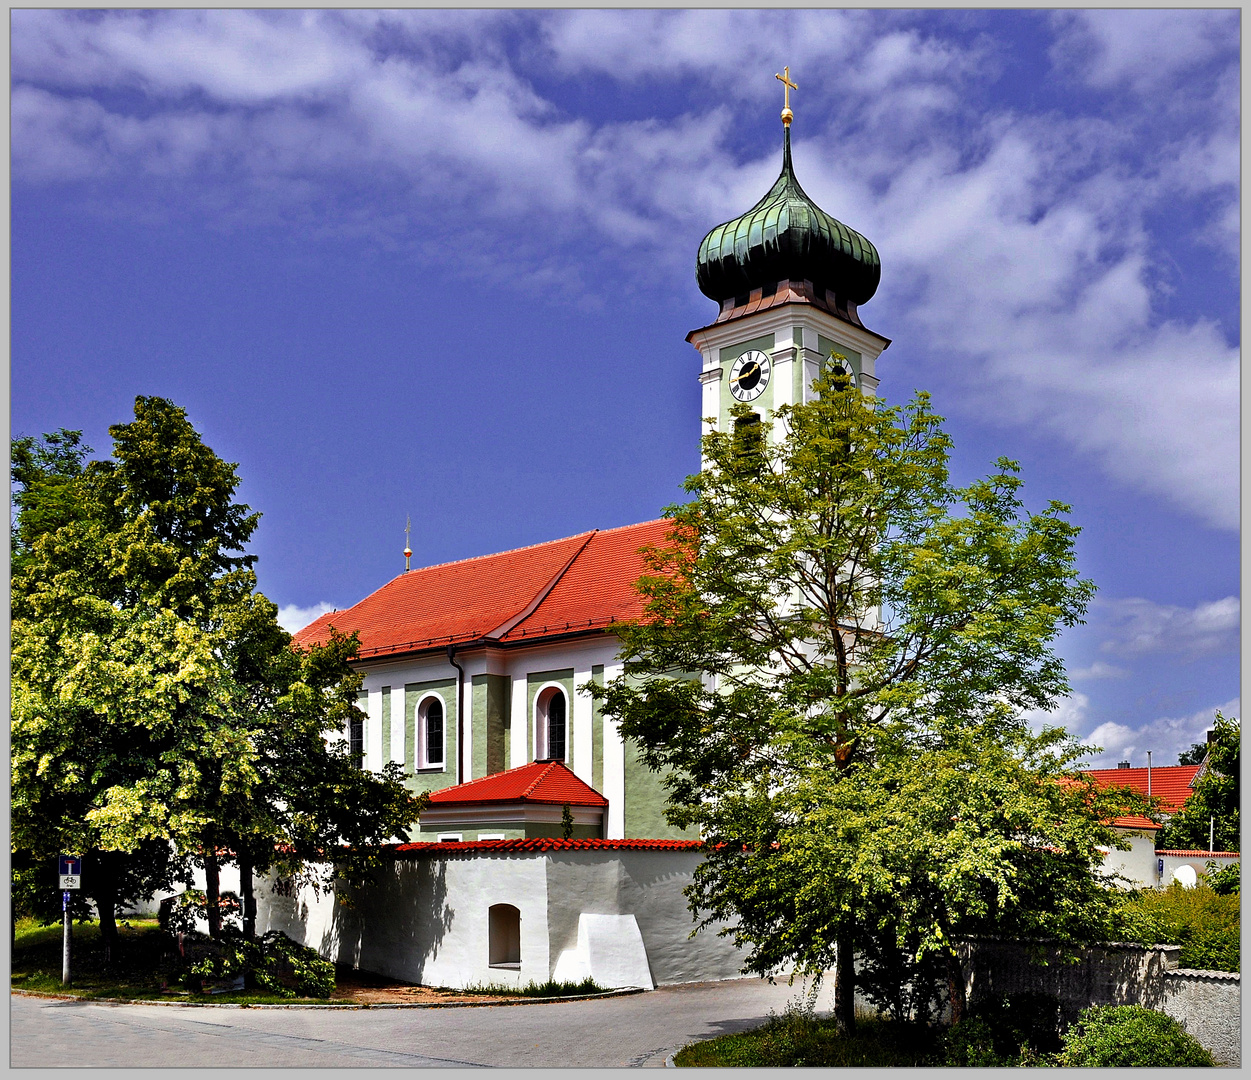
<point>786,236</point>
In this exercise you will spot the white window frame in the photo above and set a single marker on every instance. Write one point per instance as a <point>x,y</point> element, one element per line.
<point>449,838</point>
<point>540,725</point>
<point>421,755</point>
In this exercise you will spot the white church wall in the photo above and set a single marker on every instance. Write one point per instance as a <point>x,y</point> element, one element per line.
<point>426,921</point>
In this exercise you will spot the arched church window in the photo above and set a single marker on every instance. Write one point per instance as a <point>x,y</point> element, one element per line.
<point>504,936</point>
<point>748,443</point>
<point>551,725</point>
<point>430,733</point>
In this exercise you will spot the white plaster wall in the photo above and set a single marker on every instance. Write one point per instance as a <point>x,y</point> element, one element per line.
<point>519,724</point>
<point>1137,864</point>
<point>373,731</point>
<point>1199,861</point>
<point>426,919</point>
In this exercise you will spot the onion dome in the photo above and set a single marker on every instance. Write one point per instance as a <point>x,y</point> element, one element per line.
<point>787,237</point>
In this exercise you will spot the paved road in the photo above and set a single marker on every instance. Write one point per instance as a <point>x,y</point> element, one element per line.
<point>641,1030</point>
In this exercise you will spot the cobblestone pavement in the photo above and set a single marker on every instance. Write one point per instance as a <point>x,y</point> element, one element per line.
<point>640,1030</point>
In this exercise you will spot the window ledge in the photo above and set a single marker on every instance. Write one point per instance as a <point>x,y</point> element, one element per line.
<point>432,769</point>
<point>510,967</point>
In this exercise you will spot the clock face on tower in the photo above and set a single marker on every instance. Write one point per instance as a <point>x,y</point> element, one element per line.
<point>749,375</point>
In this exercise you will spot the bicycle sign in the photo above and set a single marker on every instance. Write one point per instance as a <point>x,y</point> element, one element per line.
<point>70,870</point>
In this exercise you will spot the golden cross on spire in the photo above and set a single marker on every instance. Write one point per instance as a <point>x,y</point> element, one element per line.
<point>785,80</point>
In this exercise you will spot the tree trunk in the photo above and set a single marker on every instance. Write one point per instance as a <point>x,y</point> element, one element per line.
<point>248,897</point>
<point>845,981</point>
<point>104,892</point>
<point>212,893</point>
<point>955,988</point>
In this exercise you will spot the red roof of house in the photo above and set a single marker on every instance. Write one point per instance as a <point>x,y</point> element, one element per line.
<point>547,843</point>
<point>581,582</point>
<point>538,782</point>
<point>1171,784</point>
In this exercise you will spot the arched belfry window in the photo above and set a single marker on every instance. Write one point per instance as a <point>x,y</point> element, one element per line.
<point>551,723</point>
<point>430,733</point>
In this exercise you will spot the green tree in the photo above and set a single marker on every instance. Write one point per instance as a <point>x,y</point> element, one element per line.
<point>867,638</point>
<point>159,713</point>
<point>1195,755</point>
<point>1211,813</point>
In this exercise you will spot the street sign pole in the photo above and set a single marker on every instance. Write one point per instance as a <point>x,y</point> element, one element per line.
<point>65,938</point>
<point>70,868</point>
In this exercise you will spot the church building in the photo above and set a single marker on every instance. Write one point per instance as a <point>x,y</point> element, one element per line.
<point>544,852</point>
<point>475,671</point>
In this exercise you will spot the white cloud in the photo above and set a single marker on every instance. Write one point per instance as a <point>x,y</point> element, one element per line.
<point>1165,737</point>
<point>1142,48</point>
<point>1099,670</point>
<point>1140,626</point>
<point>291,617</point>
<point>1069,713</point>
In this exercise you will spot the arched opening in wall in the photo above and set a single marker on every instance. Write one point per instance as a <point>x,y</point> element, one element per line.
<point>504,936</point>
<point>430,733</point>
<point>550,724</point>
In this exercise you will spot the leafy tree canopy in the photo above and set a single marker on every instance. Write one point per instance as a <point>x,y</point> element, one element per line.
<point>867,638</point>
<point>159,713</point>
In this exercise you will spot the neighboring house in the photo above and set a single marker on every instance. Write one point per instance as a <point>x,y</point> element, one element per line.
<point>1143,864</point>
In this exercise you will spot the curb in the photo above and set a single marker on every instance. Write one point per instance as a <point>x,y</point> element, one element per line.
<point>490,1002</point>
<point>670,1063</point>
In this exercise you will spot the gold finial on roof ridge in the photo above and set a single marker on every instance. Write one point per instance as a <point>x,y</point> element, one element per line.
<point>785,80</point>
<point>408,551</point>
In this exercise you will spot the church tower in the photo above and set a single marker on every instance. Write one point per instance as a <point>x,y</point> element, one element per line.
<point>789,279</point>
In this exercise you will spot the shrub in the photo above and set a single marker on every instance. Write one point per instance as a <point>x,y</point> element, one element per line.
<point>1109,1036</point>
<point>1014,1030</point>
<point>1203,922</point>
<point>274,963</point>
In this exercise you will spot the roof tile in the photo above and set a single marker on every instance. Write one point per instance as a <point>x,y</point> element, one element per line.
<point>459,602</point>
<point>537,782</point>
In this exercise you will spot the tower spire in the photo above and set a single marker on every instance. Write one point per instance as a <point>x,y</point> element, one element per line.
<point>408,552</point>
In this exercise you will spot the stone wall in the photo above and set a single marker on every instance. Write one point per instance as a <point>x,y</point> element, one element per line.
<point>1206,1003</point>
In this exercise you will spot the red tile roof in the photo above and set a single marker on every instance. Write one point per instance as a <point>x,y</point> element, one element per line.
<point>1198,854</point>
<point>538,782</point>
<point>1169,783</point>
<point>581,582</point>
<point>547,843</point>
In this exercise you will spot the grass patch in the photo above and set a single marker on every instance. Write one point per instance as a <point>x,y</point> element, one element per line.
<point>534,989</point>
<point>799,1038</point>
<point>145,966</point>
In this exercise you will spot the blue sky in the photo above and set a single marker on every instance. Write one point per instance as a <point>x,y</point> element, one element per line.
<point>441,264</point>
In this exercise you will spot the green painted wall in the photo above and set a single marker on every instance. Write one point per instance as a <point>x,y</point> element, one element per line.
<point>645,800</point>
<point>597,732</point>
<point>580,832</point>
<point>490,711</point>
<point>731,353</point>
<point>430,780</point>
<point>534,681</point>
